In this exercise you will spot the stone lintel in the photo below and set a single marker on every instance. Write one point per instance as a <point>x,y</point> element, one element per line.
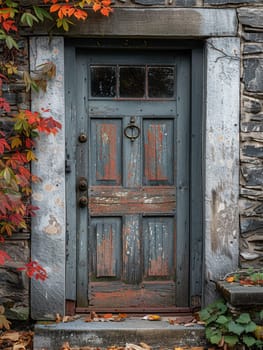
<point>154,22</point>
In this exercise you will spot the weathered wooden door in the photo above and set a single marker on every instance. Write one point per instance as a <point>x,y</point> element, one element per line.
<point>132,179</point>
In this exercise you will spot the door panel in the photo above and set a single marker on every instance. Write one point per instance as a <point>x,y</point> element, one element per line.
<point>128,231</point>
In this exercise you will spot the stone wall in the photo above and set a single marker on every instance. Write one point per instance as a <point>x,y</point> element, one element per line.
<point>251,137</point>
<point>14,291</point>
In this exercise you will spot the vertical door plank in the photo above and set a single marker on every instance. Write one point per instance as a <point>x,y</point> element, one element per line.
<point>70,169</point>
<point>183,171</point>
<point>105,247</point>
<point>158,151</point>
<point>158,247</point>
<point>106,151</point>
<point>132,272</point>
<point>82,171</point>
<point>132,156</point>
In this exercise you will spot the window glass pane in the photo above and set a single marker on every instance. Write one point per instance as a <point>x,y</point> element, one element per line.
<point>161,82</point>
<point>103,81</point>
<point>132,82</point>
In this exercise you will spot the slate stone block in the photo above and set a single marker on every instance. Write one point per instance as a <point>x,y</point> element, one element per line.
<point>252,151</point>
<point>186,3</point>
<point>253,74</point>
<point>253,48</point>
<point>251,225</point>
<point>252,175</point>
<point>148,2</point>
<point>251,127</point>
<point>257,117</point>
<point>252,17</point>
<point>228,2</point>
<point>252,106</point>
<point>256,37</point>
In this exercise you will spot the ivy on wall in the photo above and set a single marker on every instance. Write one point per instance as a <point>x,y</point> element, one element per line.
<point>20,129</point>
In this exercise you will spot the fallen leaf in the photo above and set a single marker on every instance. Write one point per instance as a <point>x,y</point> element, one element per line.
<point>58,318</point>
<point>65,346</point>
<point>106,316</point>
<point>18,346</point>
<point>230,279</point>
<point>130,346</point>
<point>12,335</point>
<point>2,309</point>
<point>4,323</point>
<point>152,317</point>
<point>93,315</point>
<point>145,346</point>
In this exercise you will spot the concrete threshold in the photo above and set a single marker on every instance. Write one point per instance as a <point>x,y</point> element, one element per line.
<point>102,335</point>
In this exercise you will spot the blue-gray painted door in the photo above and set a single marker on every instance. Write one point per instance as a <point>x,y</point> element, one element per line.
<point>132,179</point>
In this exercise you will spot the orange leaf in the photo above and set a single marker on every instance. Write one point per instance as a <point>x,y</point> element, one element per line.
<point>106,2</point>
<point>79,14</point>
<point>55,8</point>
<point>96,7</point>
<point>105,11</point>
<point>107,316</point>
<point>230,279</point>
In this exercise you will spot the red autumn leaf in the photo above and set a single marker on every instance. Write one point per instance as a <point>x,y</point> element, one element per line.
<point>34,270</point>
<point>32,117</point>
<point>9,25</point>
<point>16,219</point>
<point>3,257</point>
<point>29,142</point>
<point>4,145</point>
<point>4,105</point>
<point>30,210</point>
<point>24,172</point>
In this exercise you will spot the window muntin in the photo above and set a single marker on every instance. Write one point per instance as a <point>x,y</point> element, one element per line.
<point>132,82</point>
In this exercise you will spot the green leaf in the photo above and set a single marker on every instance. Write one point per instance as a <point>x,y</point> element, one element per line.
<point>41,13</point>
<point>222,319</point>
<point>11,3</point>
<point>235,328</point>
<point>243,318</point>
<point>261,314</point>
<point>28,19</point>
<point>248,340</point>
<point>10,42</point>
<point>215,339</point>
<point>251,327</point>
<point>209,332</point>
<point>231,339</point>
<point>204,315</point>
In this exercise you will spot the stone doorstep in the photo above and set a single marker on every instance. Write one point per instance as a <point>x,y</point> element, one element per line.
<point>238,295</point>
<point>78,333</point>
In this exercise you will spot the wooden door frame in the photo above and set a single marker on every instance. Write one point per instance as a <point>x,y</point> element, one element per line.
<point>195,133</point>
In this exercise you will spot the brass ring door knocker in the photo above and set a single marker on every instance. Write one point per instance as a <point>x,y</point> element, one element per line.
<point>132,131</point>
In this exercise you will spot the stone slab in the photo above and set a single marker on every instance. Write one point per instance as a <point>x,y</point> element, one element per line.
<point>154,22</point>
<point>253,74</point>
<point>157,334</point>
<point>238,295</point>
<point>252,17</point>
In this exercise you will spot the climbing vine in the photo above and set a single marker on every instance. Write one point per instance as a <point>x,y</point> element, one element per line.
<point>19,129</point>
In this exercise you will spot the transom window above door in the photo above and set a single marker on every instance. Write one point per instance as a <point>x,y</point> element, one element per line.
<point>132,82</point>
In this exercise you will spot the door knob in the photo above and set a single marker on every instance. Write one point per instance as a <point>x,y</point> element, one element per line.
<point>83,201</point>
<point>83,185</point>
